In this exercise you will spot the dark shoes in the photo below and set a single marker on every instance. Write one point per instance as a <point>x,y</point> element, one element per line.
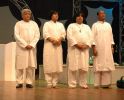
<point>19,86</point>
<point>29,86</point>
<point>105,86</point>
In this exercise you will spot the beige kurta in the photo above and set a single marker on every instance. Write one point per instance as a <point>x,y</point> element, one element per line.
<point>103,39</point>
<point>26,33</point>
<point>52,55</point>
<point>78,59</point>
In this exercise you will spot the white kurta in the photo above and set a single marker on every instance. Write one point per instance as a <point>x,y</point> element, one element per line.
<point>78,59</point>
<point>26,33</point>
<point>103,39</point>
<point>52,56</point>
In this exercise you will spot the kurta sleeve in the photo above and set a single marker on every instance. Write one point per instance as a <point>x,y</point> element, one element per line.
<point>112,40</point>
<point>70,37</point>
<point>36,36</point>
<point>22,43</point>
<point>93,34</point>
<point>46,33</point>
<point>89,43</point>
<point>63,32</point>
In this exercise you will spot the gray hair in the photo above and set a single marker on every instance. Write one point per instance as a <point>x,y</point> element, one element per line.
<point>100,11</point>
<point>25,10</point>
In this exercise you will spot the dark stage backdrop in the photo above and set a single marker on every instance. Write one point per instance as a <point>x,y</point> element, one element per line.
<point>41,9</point>
<point>115,21</point>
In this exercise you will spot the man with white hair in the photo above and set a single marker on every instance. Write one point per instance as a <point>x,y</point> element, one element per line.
<point>26,33</point>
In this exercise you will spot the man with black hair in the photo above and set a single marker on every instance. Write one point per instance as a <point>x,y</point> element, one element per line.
<point>102,50</point>
<point>79,41</point>
<point>53,34</point>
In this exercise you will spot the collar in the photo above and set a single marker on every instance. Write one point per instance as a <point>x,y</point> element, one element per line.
<point>53,22</point>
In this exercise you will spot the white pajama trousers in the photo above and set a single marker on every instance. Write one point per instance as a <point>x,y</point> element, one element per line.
<point>73,79</point>
<point>51,78</point>
<point>102,78</point>
<point>25,75</point>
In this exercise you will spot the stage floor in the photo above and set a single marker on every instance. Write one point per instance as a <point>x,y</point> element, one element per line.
<point>40,92</point>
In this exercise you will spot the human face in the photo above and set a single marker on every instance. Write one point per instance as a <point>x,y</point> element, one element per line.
<point>79,19</point>
<point>101,16</point>
<point>55,17</point>
<point>26,16</point>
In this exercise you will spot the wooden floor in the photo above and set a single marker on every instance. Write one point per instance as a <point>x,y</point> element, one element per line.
<point>40,92</point>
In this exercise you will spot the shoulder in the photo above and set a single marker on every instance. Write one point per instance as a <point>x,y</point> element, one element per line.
<point>94,24</point>
<point>85,25</point>
<point>47,23</point>
<point>107,23</point>
<point>59,23</point>
<point>18,23</point>
<point>72,25</point>
<point>33,22</point>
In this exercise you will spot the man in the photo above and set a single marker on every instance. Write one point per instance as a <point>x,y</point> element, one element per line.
<point>53,34</point>
<point>79,42</point>
<point>102,50</point>
<point>26,35</point>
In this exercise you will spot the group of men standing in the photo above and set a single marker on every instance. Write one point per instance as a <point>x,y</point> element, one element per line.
<point>80,39</point>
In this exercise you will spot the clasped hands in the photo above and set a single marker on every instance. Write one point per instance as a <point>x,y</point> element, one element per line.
<point>81,46</point>
<point>56,42</point>
<point>28,47</point>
